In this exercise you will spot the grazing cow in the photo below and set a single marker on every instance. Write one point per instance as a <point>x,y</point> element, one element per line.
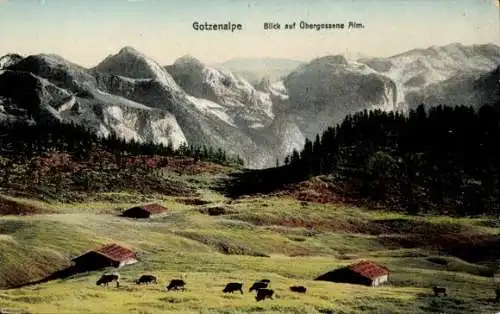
<point>299,289</point>
<point>233,286</point>
<point>176,284</point>
<point>147,279</point>
<point>497,292</point>
<point>258,285</point>
<point>107,278</point>
<point>438,290</point>
<point>263,294</point>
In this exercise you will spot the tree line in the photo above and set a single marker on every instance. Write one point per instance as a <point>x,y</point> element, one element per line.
<point>24,141</point>
<point>444,159</point>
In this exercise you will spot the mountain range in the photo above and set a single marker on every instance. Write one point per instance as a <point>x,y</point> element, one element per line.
<point>256,69</point>
<point>261,119</point>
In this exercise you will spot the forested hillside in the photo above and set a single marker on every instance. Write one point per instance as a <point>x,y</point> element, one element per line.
<point>27,140</point>
<point>67,162</point>
<point>444,159</point>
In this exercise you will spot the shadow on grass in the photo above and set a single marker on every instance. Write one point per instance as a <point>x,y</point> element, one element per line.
<point>454,304</point>
<point>65,273</point>
<point>257,181</point>
<point>60,274</point>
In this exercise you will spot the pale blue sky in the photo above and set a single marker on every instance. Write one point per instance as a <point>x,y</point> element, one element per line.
<point>86,31</point>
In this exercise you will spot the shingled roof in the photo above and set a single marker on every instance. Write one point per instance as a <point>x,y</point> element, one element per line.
<point>369,269</point>
<point>116,252</point>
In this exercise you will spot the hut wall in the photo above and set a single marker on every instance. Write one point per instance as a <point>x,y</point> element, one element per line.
<point>127,262</point>
<point>93,261</point>
<point>136,212</point>
<point>380,280</point>
<point>345,275</point>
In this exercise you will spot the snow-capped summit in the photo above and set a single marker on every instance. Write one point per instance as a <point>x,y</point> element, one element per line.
<point>416,69</point>
<point>420,67</point>
<point>224,88</point>
<point>9,59</point>
<point>131,63</point>
<point>189,101</point>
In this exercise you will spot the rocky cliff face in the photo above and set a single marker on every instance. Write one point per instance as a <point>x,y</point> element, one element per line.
<point>324,91</point>
<point>190,102</point>
<point>413,71</point>
<point>49,87</point>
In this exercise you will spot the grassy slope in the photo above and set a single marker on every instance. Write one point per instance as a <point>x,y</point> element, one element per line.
<point>187,241</point>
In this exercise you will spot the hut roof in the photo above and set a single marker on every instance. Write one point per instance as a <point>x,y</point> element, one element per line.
<point>369,269</point>
<point>114,252</point>
<point>152,208</point>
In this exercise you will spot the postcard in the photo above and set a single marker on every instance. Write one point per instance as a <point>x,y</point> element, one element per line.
<point>281,156</point>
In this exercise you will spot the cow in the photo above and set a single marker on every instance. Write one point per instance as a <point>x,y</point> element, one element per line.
<point>263,294</point>
<point>299,289</point>
<point>439,290</point>
<point>265,280</point>
<point>107,278</point>
<point>497,293</point>
<point>258,285</point>
<point>233,286</point>
<point>147,279</point>
<point>176,284</point>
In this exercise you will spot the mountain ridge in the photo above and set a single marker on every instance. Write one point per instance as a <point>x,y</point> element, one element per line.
<point>191,102</point>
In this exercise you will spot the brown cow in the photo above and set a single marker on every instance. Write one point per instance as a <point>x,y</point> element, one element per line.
<point>258,285</point>
<point>147,279</point>
<point>263,294</point>
<point>233,286</point>
<point>299,289</point>
<point>107,278</point>
<point>438,290</point>
<point>176,284</point>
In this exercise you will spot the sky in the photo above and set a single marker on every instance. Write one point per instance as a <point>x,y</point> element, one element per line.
<point>86,31</point>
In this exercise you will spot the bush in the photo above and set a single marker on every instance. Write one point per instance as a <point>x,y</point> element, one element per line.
<point>216,211</point>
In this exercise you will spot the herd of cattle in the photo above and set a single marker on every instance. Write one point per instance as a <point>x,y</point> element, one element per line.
<point>261,286</point>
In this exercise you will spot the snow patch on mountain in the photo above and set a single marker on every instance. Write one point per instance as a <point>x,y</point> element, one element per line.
<point>51,88</point>
<point>132,95</point>
<point>128,122</point>
<point>289,134</point>
<point>415,70</point>
<point>9,60</point>
<point>110,98</point>
<point>242,102</point>
<point>210,107</point>
<point>278,89</point>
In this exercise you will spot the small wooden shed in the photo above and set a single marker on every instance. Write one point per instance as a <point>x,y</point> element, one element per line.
<point>144,211</point>
<point>110,255</point>
<point>362,273</point>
